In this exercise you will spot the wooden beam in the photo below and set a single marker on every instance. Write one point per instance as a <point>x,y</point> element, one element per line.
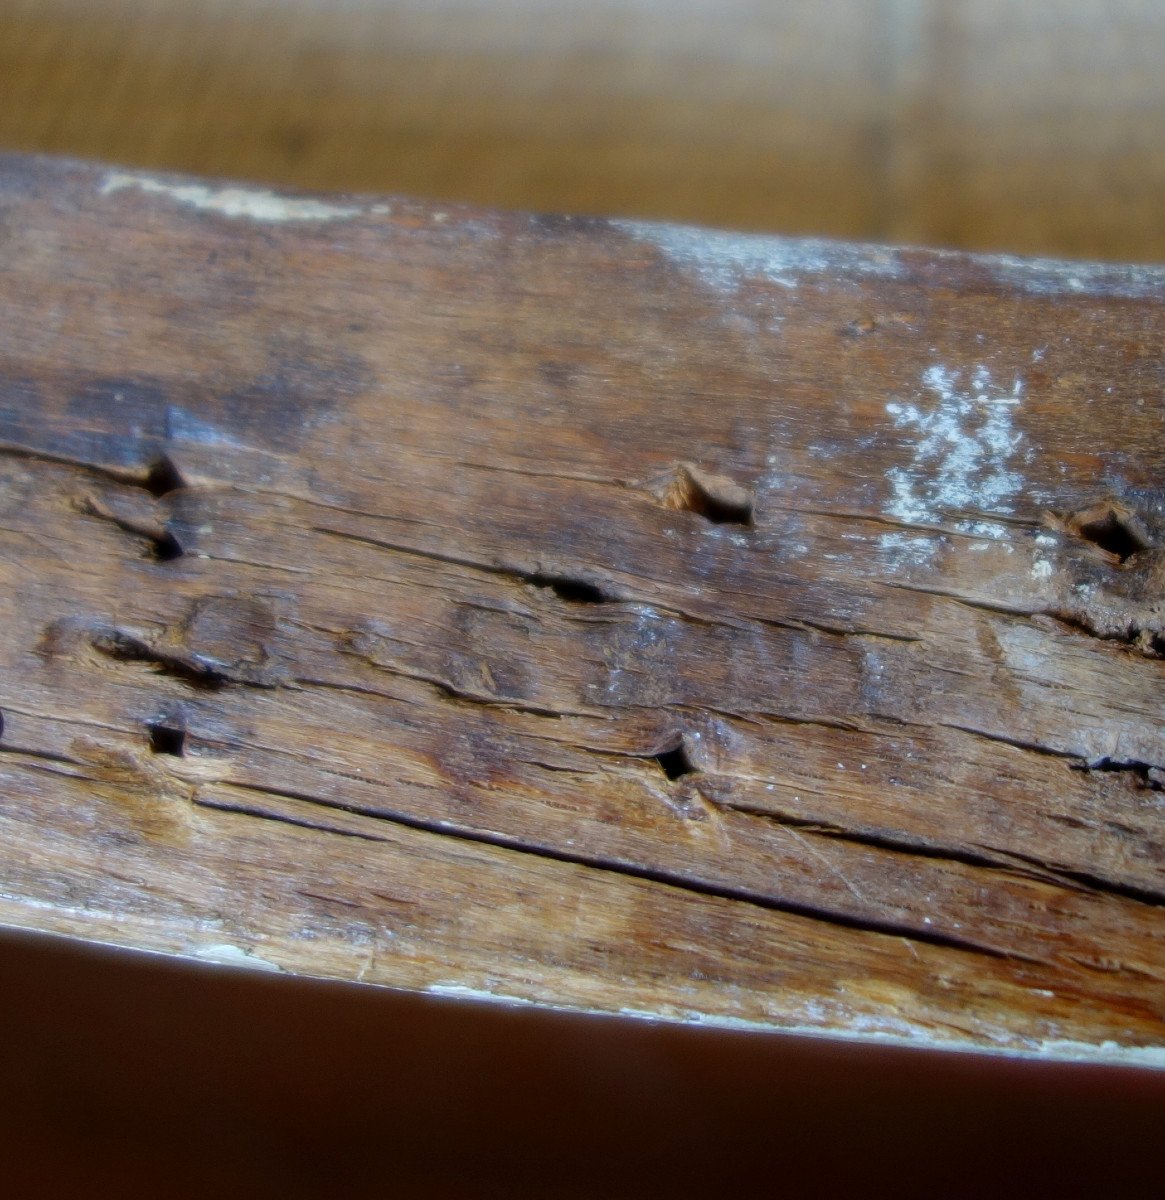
<point>611,616</point>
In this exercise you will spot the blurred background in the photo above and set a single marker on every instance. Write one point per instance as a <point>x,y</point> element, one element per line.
<point>1034,126</point>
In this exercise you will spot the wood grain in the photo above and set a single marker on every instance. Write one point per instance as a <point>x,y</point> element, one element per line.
<point>606,615</point>
<point>1034,128</point>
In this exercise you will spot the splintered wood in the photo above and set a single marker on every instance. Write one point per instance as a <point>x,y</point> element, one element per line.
<point>611,616</point>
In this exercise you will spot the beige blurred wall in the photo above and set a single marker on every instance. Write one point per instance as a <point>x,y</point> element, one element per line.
<point>1024,125</point>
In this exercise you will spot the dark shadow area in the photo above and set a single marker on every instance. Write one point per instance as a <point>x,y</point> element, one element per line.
<point>134,1075</point>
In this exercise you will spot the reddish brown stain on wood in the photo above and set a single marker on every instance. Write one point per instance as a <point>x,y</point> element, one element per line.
<point>713,627</point>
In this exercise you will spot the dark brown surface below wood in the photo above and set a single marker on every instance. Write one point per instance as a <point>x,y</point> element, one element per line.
<point>611,616</point>
<point>131,1075</point>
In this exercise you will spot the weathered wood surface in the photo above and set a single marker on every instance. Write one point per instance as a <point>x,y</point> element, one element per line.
<point>611,616</point>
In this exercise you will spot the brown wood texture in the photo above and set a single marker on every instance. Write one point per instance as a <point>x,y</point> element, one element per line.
<point>612,616</point>
<point>1034,127</point>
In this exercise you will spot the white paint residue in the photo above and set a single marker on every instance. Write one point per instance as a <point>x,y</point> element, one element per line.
<point>236,201</point>
<point>905,549</point>
<point>725,260</point>
<point>871,1030</point>
<point>234,956</point>
<point>963,455</point>
<point>1047,277</point>
<point>459,991</point>
<point>185,426</point>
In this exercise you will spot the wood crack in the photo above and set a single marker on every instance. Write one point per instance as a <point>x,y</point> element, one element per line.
<point>912,848</point>
<point>665,878</point>
<point>1018,742</point>
<point>582,587</point>
<point>1093,882</point>
<point>123,646</point>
